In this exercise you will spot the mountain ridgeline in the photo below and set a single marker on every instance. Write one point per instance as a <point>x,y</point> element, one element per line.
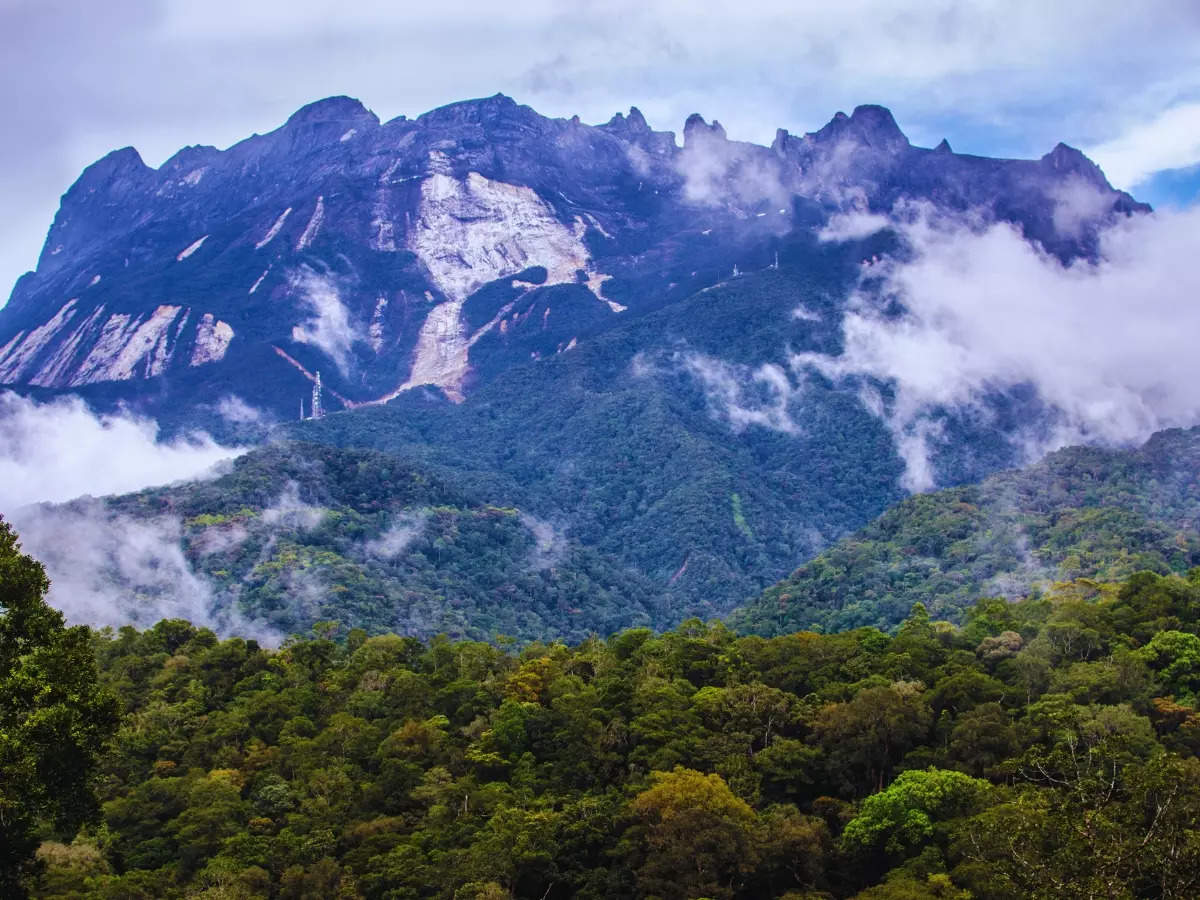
<point>440,250</point>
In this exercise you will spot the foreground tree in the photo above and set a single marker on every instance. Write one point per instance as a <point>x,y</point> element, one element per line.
<point>53,716</point>
<point>700,837</point>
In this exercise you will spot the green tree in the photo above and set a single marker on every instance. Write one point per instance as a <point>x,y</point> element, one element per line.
<point>700,836</point>
<point>1175,657</point>
<point>901,818</point>
<point>867,736</point>
<point>54,719</point>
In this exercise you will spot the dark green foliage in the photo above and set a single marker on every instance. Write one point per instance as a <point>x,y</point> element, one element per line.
<point>299,533</point>
<point>1081,513</point>
<point>54,717</point>
<point>1043,749</point>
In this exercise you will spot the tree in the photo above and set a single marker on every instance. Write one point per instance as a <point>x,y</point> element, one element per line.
<point>1175,657</point>
<point>866,737</point>
<point>1100,813</point>
<point>700,836</point>
<point>54,718</point>
<point>901,818</point>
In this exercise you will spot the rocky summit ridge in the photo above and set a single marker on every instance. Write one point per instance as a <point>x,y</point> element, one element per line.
<point>427,252</point>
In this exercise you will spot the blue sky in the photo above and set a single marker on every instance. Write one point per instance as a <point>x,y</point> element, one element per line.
<point>78,78</point>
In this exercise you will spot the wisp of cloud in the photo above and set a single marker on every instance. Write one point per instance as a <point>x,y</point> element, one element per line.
<point>56,451</point>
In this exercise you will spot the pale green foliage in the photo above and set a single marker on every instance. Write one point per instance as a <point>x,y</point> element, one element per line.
<point>902,816</point>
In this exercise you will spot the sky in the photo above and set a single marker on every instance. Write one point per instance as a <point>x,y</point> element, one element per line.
<point>997,77</point>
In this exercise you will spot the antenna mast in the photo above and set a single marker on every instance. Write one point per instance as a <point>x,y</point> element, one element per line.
<point>317,410</point>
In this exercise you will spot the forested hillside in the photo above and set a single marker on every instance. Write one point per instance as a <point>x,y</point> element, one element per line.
<point>1043,749</point>
<point>298,533</point>
<point>1082,512</point>
<point>549,544</point>
<point>657,444</point>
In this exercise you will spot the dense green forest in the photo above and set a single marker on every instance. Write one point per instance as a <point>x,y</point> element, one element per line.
<point>1042,744</point>
<point>1082,512</point>
<point>1044,748</point>
<point>297,533</point>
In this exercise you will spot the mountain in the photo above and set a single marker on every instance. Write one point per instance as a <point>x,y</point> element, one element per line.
<point>443,249</point>
<point>1083,512</point>
<point>586,323</point>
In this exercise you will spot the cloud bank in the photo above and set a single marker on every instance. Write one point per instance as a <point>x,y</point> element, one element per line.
<point>60,450</point>
<point>106,568</point>
<point>1109,347</point>
<point>1170,140</point>
<point>111,569</point>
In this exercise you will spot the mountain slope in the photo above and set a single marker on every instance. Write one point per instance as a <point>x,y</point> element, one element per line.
<point>643,445</point>
<point>1083,512</point>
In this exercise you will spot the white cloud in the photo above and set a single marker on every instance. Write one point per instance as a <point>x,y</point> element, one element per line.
<point>1171,140</point>
<point>742,395</point>
<point>1109,346</point>
<point>403,531</point>
<point>1078,205</point>
<point>849,226</point>
<point>291,513</point>
<point>110,569</point>
<point>236,411</point>
<point>107,568</point>
<point>550,542</point>
<point>60,450</point>
<point>717,172</point>
<point>331,327</point>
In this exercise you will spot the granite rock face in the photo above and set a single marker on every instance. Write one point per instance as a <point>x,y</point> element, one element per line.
<point>382,254</point>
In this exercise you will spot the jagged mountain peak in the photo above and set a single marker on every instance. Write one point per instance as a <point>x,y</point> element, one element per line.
<point>870,124</point>
<point>876,116</point>
<point>632,124</point>
<point>482,110</point>
<point>194,155</point>
<point>1067,160</point>
<point>696,126</point>
<point>119,163</point>
<point>332,109</point>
